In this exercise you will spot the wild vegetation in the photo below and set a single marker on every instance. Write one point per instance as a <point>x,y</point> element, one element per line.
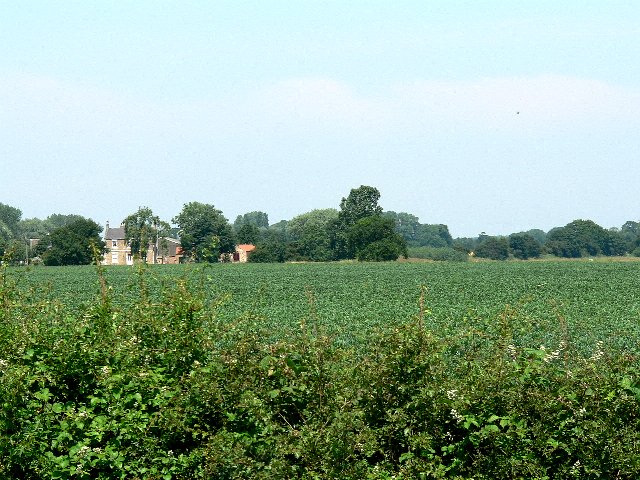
<point>379,371</point>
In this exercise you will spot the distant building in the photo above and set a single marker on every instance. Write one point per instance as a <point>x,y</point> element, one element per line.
<point>167,251</point>
<point>118,249</point>
<point>241,255</point>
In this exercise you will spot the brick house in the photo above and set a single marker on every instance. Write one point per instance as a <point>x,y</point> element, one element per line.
<point>118,250</point>
<point>168,250</point>
<point>241,255</point>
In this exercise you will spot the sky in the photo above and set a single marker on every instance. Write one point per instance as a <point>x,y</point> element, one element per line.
<point>487,116</point>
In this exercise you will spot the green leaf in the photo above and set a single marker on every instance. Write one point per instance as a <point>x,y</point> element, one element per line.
<point>274,393</point>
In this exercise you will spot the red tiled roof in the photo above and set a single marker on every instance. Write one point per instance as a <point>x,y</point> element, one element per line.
<point>247,247</point>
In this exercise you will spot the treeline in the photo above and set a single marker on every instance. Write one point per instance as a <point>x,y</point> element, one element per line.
<point>358,229</point>
<point>579,238</point>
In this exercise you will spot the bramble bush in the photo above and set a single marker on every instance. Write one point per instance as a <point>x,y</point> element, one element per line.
<point>158,387</point>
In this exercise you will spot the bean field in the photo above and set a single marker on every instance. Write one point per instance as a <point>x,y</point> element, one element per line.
<point>599,301</point>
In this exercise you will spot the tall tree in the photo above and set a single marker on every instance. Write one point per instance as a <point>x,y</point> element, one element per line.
<point>494,248</point>
<point>257,219</point>
<point>584,237</point>
<point>10,217</point>
<point>9,227</point>
<point>248,233</point>
<point>73,244</point>
<point>406,224</point>
<point>204,232</point>
<point>374,238</point>
<point>142,230</point>
<point>310,235</point>
<point>524,246</point>
<point>362,202</point>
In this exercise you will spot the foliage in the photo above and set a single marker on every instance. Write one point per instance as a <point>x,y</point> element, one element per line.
<point>248,233</point>
<point>74,244</point>
<point>204,232</point>
<point>524,246</point>
<point>417,234</point>
<point>57,220</point>
<point>310,234</point>
<point>9,227</point>
<point>374,239</point>
<point>256,219</point>
<point>142,230</point>
<point>584,237</point>
<point>269,252</point>
<point>9,219</point>
<point>155,382</point>
<point>362,202</point>
<point>494,248</point>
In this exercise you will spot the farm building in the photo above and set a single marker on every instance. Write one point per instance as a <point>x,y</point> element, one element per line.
<point>241,255</point>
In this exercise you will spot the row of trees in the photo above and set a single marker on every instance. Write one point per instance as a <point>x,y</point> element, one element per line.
<point>358,229</point>
<point>579,238</point>
<point>59,239</point>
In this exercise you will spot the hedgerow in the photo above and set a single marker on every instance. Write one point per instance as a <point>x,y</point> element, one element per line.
<point>163,386</point>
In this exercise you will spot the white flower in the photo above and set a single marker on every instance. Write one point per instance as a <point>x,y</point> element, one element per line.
<point>83,451</point>
<point>599,353</point>
<point>3,363</point>
<point>452,394</point>
<point>549,357</point>
<point>458,418</point>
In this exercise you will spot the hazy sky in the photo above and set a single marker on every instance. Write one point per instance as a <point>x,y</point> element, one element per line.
<point>487,116</point>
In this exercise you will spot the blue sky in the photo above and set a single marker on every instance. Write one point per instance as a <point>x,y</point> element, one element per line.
<point>483,115</point>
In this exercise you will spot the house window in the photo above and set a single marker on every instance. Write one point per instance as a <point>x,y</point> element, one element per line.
<point>114,259</point>
<point>114,243</point>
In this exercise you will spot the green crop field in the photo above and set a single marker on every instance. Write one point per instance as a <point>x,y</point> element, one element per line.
<point>598,300</point>
<point>488,370</point>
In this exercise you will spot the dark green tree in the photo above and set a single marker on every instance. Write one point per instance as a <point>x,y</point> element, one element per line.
<point>406,224</point>
<point>270,251</point>
<point>248,233</point>
<point>374,239</point>
<point>310,235</point>
<point>583,237</point>
<point>74,244</point>
<point>362,202</point>
<point>524,246</point>
<point>630,234</point>
<point>204,232</point>
<point>9,219</point>
<point>494,248</point>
